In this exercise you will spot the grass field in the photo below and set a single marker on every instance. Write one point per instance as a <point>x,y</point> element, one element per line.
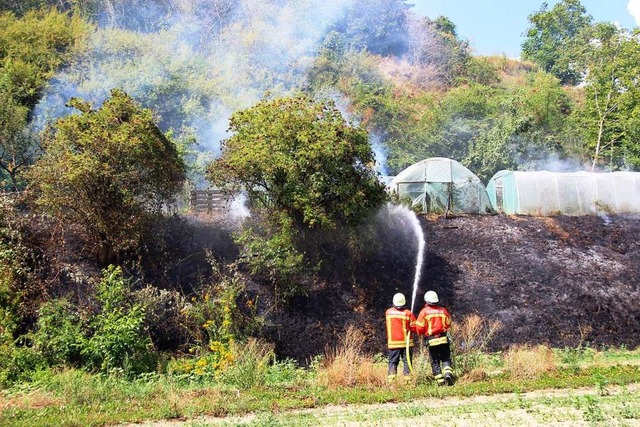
<point>582,386</point>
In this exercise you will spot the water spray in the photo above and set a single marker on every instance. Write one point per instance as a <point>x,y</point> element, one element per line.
<point>417,229</point>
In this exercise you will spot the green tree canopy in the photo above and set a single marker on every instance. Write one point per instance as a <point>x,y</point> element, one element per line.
<point>107,171</point>
<point>32,49</point>
<point>552,37</point>
<point>611,107</point>
<point>301,157</point>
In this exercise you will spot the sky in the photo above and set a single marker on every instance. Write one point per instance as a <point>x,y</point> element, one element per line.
<point>496,27</point>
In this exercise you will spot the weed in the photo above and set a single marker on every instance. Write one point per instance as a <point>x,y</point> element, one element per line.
<point>592,411</point>
<point>250,365</point>
<point>526,362</point>
<point>347,366</point>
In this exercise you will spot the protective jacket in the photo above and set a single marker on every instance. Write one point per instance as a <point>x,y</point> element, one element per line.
<point>434,322</point>
<point>400,322</point>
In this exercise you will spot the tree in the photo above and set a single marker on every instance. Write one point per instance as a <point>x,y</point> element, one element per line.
<point>107,171</point>
<point>17,145</point>
<point>434,46</point>
<point>552,37</point>
<point>301,157</point>
<point>612,97</point>
<point>32,48</point>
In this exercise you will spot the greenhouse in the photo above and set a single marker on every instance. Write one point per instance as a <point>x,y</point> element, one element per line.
<point>576,193</point>
<point>441,185</point>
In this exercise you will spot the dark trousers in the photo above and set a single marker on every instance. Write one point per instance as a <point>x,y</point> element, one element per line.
<point>440,359</point>
<point>395,355</point>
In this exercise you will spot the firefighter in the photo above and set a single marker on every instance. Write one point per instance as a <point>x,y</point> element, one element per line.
<point>400,323</point>
<point>433,323</point>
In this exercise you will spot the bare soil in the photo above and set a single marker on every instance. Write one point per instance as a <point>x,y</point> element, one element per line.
<point>562,281</point>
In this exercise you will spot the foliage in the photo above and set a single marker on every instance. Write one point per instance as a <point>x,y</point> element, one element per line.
<point>113,339</point>
<point>119,339</point>
<point>434,46</point>
<point>60,334</point>
<point>299,156</point>
<point>32,49</point>
<point>609,115</point>
<point>553,36</point>
<point>107,171</point>
<point>271,254</point>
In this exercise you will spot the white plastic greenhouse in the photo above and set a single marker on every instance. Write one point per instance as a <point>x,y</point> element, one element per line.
<point>441,185</point>
<point>576,193</point>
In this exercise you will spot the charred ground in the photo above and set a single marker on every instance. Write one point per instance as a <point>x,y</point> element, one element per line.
<point>562,281</point>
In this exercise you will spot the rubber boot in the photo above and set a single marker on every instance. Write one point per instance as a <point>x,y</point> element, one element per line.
<point>448,374</point>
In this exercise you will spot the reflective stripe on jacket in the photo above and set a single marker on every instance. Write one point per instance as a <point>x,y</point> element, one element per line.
<point>433,320</point>
<point>399,323</point>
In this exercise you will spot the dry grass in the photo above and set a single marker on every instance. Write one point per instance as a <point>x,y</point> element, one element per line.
<point>347,365</point>
<point>527,362</point>
<point>474,333</point>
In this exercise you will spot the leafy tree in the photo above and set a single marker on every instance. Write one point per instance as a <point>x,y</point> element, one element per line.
<point>552,37</point>
<point>32,48</point>
<point>107,171</point>
<point>301,157</point>
<point>612,97</point>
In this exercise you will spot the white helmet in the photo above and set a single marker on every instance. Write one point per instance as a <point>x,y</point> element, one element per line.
<point>431,297</point>
<point>399,300</point>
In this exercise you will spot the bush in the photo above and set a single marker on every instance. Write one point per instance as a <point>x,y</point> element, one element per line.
<point>274,258</point>
<point>59,335</point>
<point>18,362</point>
<point>119,340</point>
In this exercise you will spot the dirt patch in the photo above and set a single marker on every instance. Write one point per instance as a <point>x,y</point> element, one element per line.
<point>561,281</point>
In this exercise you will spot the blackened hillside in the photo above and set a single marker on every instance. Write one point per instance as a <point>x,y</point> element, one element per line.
<point>554,280</point>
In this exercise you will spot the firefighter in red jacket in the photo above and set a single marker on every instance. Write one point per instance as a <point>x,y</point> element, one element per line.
<point>400,323</point>
<point>433,322</point>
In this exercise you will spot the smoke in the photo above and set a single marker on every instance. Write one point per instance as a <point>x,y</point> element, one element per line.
<point>194,62</point>
<point>379,152</point>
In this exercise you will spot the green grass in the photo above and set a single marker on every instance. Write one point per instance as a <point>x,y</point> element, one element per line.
<point>75,398</point>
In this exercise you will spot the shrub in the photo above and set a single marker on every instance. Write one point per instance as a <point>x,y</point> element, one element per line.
<point>18,362</point>
<point>526,362</point>
<point>119,340</point>
<point>59,335</point>
<point>274,257</point>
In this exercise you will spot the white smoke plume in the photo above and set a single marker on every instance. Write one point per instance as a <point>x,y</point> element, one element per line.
<point>194,62</point>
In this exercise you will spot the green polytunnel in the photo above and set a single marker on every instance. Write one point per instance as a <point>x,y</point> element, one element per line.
<point>441,185</point>
<point>562,193</point>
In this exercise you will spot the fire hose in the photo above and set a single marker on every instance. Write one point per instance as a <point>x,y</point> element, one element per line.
<point>408,353</point>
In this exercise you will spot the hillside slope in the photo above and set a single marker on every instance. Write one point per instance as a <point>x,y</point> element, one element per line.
<point>555,280</point>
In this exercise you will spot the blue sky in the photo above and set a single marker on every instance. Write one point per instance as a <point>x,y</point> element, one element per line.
<point>495,27</point>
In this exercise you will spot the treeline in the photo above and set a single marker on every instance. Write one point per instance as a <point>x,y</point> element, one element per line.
<point>110,109</point>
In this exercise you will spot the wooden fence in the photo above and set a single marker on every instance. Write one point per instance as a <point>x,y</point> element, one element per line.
<point>209,200</point>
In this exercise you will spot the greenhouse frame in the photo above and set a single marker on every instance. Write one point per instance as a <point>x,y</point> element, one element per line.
<point>562,193</point>
<point>441,185</point>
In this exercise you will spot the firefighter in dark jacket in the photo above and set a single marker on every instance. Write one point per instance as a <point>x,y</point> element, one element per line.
<point>400,323</point>
<point>433,322</point>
